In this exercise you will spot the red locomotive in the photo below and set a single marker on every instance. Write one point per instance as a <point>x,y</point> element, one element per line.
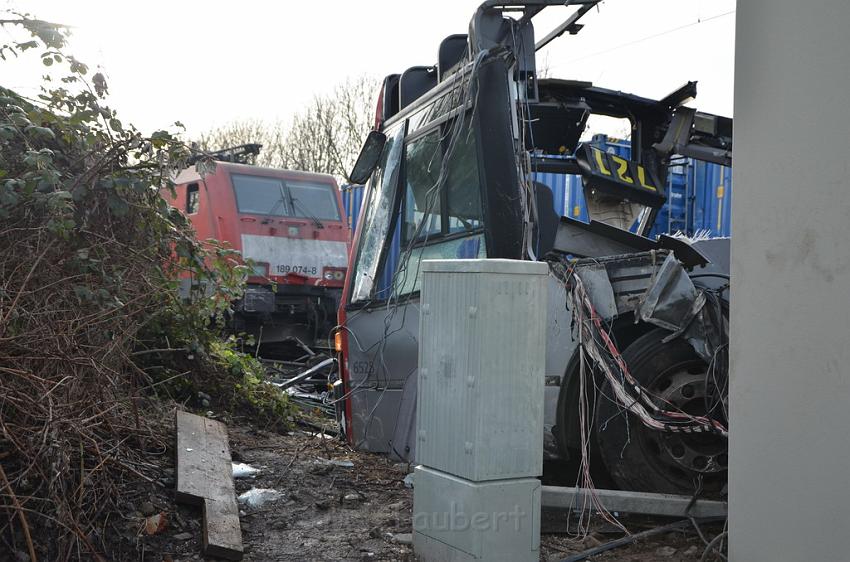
<point>290,225</point>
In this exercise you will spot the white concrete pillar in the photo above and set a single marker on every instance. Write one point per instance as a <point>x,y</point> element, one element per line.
<point>789,475</point>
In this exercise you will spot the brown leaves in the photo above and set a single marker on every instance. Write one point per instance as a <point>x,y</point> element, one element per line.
<point>72,305</point>
<point>156,524</point>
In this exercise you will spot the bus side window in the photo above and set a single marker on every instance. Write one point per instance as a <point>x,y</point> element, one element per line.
<point>192,199</point>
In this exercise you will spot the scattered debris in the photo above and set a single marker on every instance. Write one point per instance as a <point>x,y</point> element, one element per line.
<point>312,509</point>
<point>242,470</point>
<point>402,538</point>
<point>258,497</point>
<point>182,536</point>
<point>352,499</point>
<point>408,481</point>
<point>321,468</point>
<point>591,541</point>
<point>629,539</point>
<point>332,462</point>
<point>306,374</point>
<point>147,509</point>
<point>156,524</point>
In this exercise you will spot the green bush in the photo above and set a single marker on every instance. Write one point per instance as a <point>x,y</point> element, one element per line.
<point>91,321</point>
<point>252,389</point>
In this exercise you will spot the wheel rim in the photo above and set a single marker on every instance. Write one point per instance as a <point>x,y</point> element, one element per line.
<point>684,456</point>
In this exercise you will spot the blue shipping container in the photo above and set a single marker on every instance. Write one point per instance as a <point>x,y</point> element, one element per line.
<point>352,201</point>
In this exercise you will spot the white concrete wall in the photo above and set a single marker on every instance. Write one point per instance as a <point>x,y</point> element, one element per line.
<point>790,394</point>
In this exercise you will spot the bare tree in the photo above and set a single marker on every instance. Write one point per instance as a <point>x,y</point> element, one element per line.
<point>270,135</point>
<point>326,136</point>
<point>323,137</point>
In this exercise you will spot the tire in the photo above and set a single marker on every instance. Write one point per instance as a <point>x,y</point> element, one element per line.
<point>567,433</point>
<point>642,459</point>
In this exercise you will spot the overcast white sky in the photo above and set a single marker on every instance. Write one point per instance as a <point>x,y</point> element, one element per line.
<point>209,62</point>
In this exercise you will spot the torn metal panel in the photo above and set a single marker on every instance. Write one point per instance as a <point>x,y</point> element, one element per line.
<point>658,290</point>
<point>687,253</point>
<point>595,278</point>
<point>597,239</point>
<point>631,275</point>
<point>627,277</point>
<point>699,135</point>
<point>672,301</point>
<point>627,390</point>
<point>707,333</point>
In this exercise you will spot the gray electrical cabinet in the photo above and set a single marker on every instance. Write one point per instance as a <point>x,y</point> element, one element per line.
<point>479,436</point>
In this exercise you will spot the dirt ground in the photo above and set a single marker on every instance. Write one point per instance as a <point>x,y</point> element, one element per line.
<point>327,512</point>
<point>331,512</point>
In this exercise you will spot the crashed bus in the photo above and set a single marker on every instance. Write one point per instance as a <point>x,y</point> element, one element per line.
<point>636,364</point>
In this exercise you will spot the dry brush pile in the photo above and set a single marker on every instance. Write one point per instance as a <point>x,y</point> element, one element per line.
<point>89,256</point>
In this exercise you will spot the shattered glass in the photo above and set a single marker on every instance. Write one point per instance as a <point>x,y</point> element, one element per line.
<point>376,224</point>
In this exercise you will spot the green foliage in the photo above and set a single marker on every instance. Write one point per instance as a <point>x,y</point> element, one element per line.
<point>69,164</point>
<point>92,184</point>
<point>252,389</point>
<point>92,260</point>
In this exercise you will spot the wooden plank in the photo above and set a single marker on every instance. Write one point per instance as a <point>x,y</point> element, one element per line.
<point>205,478</point>
<point>222,532</point>
<point>220,469</point>
<point>194,464</point>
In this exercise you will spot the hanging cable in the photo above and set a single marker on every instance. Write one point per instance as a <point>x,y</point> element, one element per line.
<point>627,390</point>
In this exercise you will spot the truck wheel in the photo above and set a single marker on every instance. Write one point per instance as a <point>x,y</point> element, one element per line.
<point>642,459</point>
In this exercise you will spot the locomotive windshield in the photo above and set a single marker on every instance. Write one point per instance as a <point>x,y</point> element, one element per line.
<point>261,195</point>
<point>313,200</point>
